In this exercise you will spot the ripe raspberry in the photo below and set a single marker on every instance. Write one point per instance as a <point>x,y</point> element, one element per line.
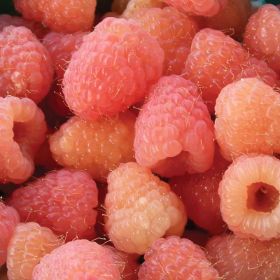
<point>262,35</point>
<point>118,6</point>
<point>79,259</point>
<point>238,258</point>
<point>96,146</point>
<point>174,132</point>
<point>26,69</point>
<point>176,258</point>
<point>61,47</point>
<point>207,8</point>
<point>23,130</point>
<point>63,200</point>
<point>249,195</point>
<point>8,221</point>
<point>165,25</point>
<point>28,245</point>
<point>112,71</point>
<point>248,119</point>
<point>140,209</point>
<point>59,15</point>
<point>199,192</point>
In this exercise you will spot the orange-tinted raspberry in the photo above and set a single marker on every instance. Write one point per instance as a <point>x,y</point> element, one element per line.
<point>140,209</point>
<point>96,146</point>
<point>23,130</point>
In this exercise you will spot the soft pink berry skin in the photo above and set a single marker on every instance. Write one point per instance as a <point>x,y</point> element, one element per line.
<point>173,132</point>
<point>30,242</point>
<point>63,200</point>
<point>61,47</point>
<point>79,259</point>
<point>112,71</point>
<point>59,15</point>
<point>207,8</point>
<point>23,131</point>
<point>9,218</point>
<point>26,69</point>
<point>262,35</point>
<point>176,258</point>
<point>140,208</point>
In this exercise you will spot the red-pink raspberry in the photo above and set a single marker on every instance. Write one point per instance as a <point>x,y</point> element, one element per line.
<point>23,131</point>
<point>174,132</point>
<point>112,71</point>
<point>9,218</point>
<point>26,69</point>
<point>62,200</point>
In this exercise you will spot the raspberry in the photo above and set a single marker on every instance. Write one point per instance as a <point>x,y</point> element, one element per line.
<point>199,192</point>
<point>63,200</point>
<point>79,259</point>
<point>28,245</point>
<point>112,71</point>
<point>176,258</point>
<point>61,47</point>
<point>8,221</point>
<point>247,119</point>
<point>23,130</point>
<point>238,258</point>
<point>165,25</point>
<point>59,15</point>
<point>207,8</point>
<point>249,195</point>
<point>96,146</point>
<point>140,209</point>
<point>262,35</point>
<point>25,69</point>
<point>118,6</point>
<point>174,132</point>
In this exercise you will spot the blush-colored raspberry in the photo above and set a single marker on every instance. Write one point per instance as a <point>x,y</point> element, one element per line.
<point>248,119</point>
<point>96,146</point>
<point>9,218</point>
<point>165,25</point>
<point>238,258</point>
<point>59,15</point>
<point>174,132</point>
<point>80,259</point>
<point>23,130</point>
<point>262,36</point>
<point>249,195</point>
<point>62,200</point>
<point>140,209</point>
<point>176,258</point>
<point>207,8</point>
<point>61,47</point>
<point>28,245</point>
<point>112,71</point>
<point>26,69</point>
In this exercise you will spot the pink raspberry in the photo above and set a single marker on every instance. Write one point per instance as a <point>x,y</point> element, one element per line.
<point>262,35</point>
<point>244,258</point>
<point>112,71</point>
<point>249,195</point>
<point>28,245</point>
<point>26,69</point>
<point>63,200</point>
<point>165,25</point>
<point>59,15</point>
<point>140,209</point>
<point>79,259</point>
<point>23,130</point>
<point>176,258</point>
<point>8,221</point>
<point>174,132</point>
<point>207,8</point>
<point>248,119</point>
<point>61,47</point>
